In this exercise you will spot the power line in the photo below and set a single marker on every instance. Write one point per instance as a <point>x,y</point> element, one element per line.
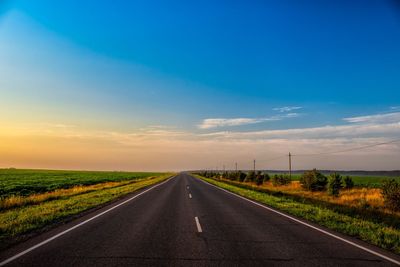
<point>325,153</point>
<point>273,159</point>
<point>346,150</point>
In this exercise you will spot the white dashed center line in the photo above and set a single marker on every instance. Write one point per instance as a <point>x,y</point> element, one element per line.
<point>198,225</point>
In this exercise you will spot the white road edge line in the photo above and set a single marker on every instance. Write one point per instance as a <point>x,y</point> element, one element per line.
<point>310,226</point>
<point>78,225</point>
<point>190,195</point>
<point>198,225</point>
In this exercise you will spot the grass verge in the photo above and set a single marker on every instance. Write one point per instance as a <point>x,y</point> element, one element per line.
<point>379,234</point>
<point>365,203</point>
<point>17,222</point>
<point>19,201</point>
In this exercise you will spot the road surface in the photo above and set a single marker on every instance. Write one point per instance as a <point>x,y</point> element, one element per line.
<point>186,222</point>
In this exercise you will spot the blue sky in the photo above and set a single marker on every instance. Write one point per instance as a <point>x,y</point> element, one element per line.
<point>194,69</point>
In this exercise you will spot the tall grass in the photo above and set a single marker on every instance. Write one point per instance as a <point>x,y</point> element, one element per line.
<point>354,197</point>
<point>18,201</point>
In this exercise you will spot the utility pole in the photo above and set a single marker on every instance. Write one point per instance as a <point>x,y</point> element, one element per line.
<point>290,166</point>
<point>254,166</point>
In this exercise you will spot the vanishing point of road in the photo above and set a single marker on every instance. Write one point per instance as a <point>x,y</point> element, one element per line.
<point>187,222</point>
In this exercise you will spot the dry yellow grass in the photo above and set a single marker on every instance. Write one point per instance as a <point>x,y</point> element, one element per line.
<point>18,201</point>
<point>355,197</point>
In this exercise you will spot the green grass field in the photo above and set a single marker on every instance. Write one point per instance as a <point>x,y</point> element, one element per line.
<point>359,180</point>
<point>28,182</point>
<point>371,181</point>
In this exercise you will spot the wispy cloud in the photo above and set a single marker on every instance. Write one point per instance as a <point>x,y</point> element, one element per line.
<point>287,109</point>
<point>222,122</point>
<point>324,132</point>
<point>159,126</point>
<point>227,122</point>
<point>49,125</point>
<point>376,118</point>
<point>375,125</point>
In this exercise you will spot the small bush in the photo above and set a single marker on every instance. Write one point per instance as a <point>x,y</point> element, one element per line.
<point>259,178</point>
<point>281,179</point>
<point>391,194</point>
<point>251,176</point>
<point>313,181</point>
<point>232,176</point>
<point>348,182</point>
<point>266,177</point>
<point>241,176</point>
<point>335,184</point>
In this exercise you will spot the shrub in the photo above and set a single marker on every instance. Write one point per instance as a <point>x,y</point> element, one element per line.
<point>259,178</point>
<point>348,182</point>
<point>391,194</point>
<point>266,177</point>
<point>335,184</point>
<point>232,176</point>
<point>251,176</point>
<point>281,179</point>
<point>274,179</point>
<point>241,176</point>
<point>313,181</point>
<point>207,174</point>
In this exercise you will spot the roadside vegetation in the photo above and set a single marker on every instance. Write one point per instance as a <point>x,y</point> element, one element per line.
<point>68,193</point>
<point>369,181</point>
<point>339,203</point>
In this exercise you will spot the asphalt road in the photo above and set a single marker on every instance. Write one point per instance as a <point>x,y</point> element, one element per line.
<point>159,228</point>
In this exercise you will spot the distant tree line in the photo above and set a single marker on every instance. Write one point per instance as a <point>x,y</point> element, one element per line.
<point>310,180</point>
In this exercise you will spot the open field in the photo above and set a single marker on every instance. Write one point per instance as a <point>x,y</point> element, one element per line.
<point>357,212</point>
<point>61,195</point>
<point>371,181</point>
<point>27,182</point>
<point>359,180</point>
